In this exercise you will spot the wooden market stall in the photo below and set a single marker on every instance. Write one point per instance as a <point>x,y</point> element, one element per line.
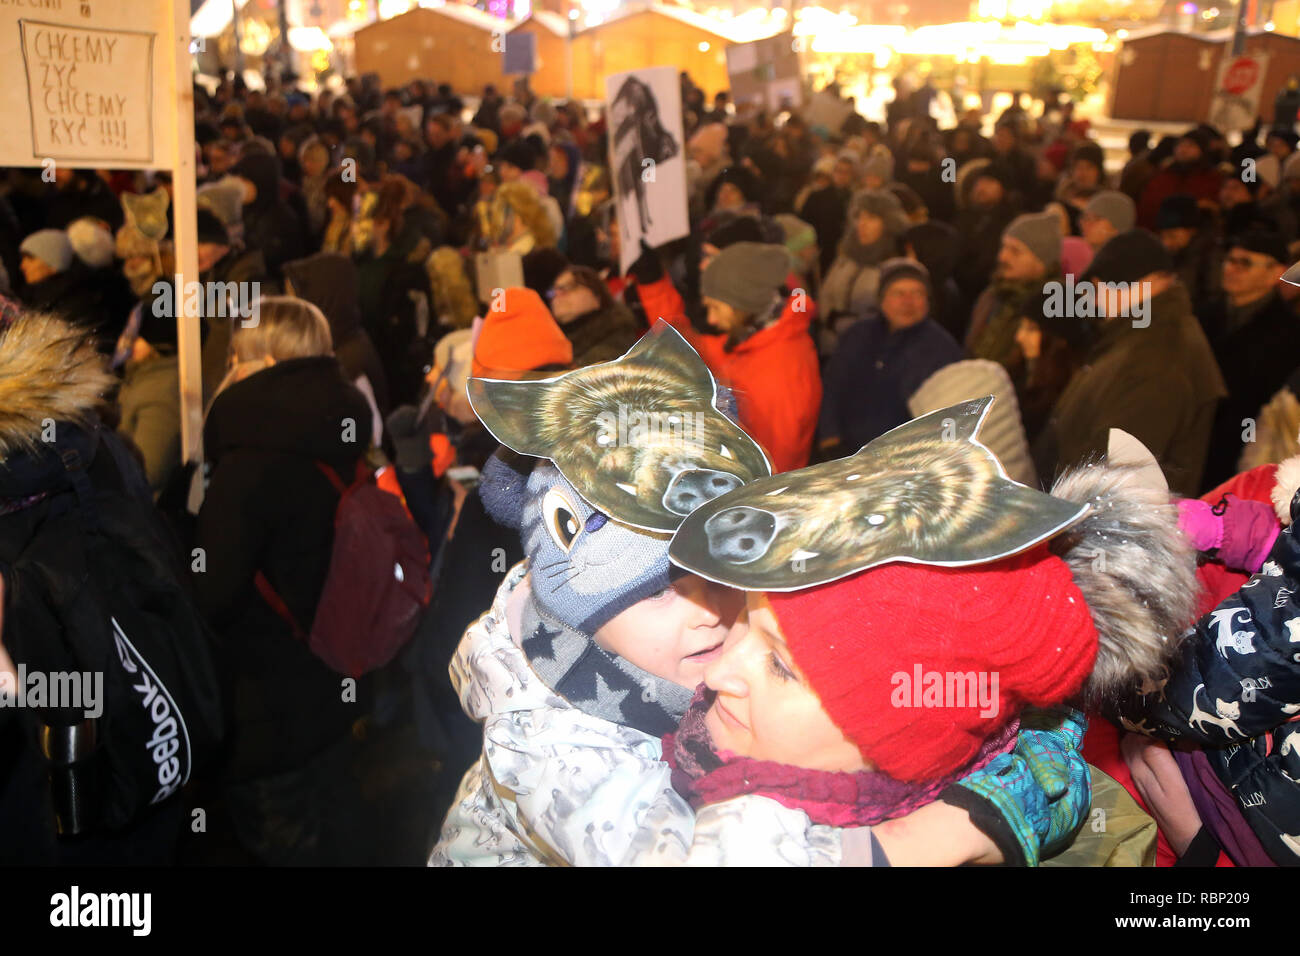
<point>1162,75</point>
<point>652,35</point>
<point>453,44</point>
<point>551,36</point>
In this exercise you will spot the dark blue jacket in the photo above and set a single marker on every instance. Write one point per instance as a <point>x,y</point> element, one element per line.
<point>1235,691</point>
<point>874,371</point>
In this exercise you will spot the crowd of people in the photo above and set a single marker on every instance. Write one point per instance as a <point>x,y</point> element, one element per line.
<point>837,284</point>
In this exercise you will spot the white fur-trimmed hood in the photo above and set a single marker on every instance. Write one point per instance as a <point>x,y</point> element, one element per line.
<point>1136,569</point>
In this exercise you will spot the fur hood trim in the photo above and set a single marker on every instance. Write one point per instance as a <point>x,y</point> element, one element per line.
<point>1286,484</point>
<point>1136,569</point>
<point>522,200</point>
<point>49,369</point>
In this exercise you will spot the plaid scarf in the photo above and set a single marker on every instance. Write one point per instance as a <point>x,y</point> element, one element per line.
<point>705,775</point>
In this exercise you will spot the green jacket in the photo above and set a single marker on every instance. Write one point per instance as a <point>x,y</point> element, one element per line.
<point>1160,383</point>
<point>151,414</point>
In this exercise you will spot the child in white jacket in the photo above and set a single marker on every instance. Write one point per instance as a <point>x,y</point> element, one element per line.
<point>589,654</point>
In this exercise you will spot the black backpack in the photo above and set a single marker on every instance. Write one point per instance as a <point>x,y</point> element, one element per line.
<point>94,584</point>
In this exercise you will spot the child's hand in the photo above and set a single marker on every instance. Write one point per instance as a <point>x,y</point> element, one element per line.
<point>1160,784</point>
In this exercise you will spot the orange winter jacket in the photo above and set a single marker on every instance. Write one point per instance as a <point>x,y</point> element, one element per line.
<point>774,373</point>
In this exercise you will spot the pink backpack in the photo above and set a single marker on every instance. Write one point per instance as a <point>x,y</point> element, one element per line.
<point>377,586</point>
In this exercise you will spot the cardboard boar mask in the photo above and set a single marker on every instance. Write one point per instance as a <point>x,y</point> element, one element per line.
<point>927,492</point>
<point>641,438</point>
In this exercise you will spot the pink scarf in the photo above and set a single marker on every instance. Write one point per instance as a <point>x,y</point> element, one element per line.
<point>705,775</point>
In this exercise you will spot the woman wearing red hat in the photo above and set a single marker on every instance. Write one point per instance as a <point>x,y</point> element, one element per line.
<point>907,608</point>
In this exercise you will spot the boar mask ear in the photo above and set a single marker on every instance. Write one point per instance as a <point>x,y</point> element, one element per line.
<point>956,423</point>
<point>508,411</point>
<point>927,492</point>
<point>665,349</point>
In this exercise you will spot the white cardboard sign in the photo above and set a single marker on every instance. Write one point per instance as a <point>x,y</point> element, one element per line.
<point>88,83</point>
<point>647,157</point>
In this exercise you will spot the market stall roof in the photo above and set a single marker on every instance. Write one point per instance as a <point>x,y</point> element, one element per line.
<point>551,21</point>
<point>736,30</point>
<point>211,17</point>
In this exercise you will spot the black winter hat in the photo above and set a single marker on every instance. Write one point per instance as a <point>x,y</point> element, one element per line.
<point>212,229</point>
<point>542,267</point>
<point>519,153</point>
<point>1178,212</point>
<point>1128,257</point>
<point>734,229</point>
<point>1264,241</point>
<point>741,178</point>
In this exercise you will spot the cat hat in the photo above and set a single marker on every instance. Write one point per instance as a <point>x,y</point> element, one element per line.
<point>941,598</point>
<point>629,447</point>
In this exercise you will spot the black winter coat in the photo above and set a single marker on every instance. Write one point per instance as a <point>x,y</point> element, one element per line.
<point>1235,691</point>
<point>269,508</point>
<point>1256,359</point>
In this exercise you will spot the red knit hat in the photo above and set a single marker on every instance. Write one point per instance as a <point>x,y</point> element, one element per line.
<point>866,641</point>
<point>520,336</point>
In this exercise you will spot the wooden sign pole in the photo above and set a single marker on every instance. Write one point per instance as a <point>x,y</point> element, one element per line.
<point>185,234</point>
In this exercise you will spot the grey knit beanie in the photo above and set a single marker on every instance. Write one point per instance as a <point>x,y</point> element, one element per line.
<point>746,275</point>
<point>891,270</point>
<point>882,204</point>
<point>1115,207</point>
<point>51,246</point>
<point>879,164</point>
<point>1041,232</point>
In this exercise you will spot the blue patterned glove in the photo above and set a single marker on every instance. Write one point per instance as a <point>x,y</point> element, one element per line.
<point>1031,800</point>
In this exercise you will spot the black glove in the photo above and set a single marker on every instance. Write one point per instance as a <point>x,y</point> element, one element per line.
<point>410,439</point>
<point>647,268</point>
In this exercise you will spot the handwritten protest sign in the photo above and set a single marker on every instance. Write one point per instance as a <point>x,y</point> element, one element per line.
<point>87,83</point>
<point>90,92</point>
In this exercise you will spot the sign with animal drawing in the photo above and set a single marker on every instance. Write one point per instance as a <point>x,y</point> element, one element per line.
<point>642,438</point>
<point>89,83</point>
<point>647,158</point>
<point>927,492</point>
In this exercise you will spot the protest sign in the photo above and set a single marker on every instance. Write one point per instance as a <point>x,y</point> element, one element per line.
<point>647,157</point>
<point>106,84</point>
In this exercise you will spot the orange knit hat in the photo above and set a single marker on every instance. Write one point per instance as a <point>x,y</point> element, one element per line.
<point>519,336</point>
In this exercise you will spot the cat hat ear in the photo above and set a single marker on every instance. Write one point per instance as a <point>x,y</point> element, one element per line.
<point>927,492</point>
<point>641,438</point>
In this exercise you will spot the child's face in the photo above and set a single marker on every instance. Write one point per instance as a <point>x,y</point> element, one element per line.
<point>676,633</point>
<point>765,709</point>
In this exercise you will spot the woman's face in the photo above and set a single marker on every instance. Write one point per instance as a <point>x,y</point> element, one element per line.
<point>559,164</point>
<point>870,228</point>
<point>676,633</point>
<point>729,197</point>
<point>1085,175</point>
<point>1030,338</point>
<point>764,708</point>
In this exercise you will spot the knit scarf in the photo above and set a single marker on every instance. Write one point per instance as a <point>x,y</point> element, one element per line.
<point>997,340</point>
<point>597,682</point>
<point>704,775</point>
